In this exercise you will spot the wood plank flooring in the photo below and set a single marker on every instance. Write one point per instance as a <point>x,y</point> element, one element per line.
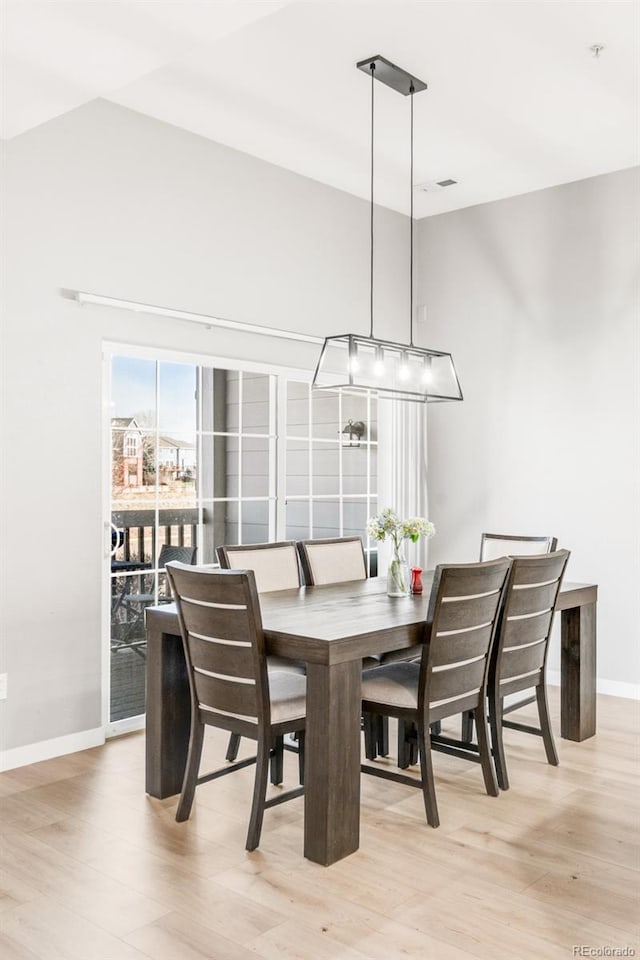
<point>93,869</point>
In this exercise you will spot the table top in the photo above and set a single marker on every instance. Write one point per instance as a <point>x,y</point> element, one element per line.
<point>340,622</point>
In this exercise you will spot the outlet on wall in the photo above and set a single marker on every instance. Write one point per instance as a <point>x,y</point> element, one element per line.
<point>3,686</point>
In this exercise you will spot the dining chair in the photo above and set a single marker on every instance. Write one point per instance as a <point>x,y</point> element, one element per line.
<point>451,676</point>
<point>275,567</point>
<point>135,604</point>
<point>493,545</point>
<point>340,560</point>
<point>231,688</point>
<point>332,560</point>
<point>520,651</point>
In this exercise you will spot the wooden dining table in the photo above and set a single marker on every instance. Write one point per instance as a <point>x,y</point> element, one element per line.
<point>332,628</point>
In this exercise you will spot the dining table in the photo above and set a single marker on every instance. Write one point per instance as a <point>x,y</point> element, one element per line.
<point>331,628</point>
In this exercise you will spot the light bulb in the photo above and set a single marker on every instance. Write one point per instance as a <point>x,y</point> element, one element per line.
<point>427,372</point>
<point>378,365</point>
<point>403,372</point>
<point>353,365</point>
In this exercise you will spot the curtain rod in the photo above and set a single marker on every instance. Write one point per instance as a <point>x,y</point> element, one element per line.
<point>82,297</point>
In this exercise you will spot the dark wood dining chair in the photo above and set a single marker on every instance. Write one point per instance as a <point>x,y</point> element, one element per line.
<point>520,652</point>
<point>493,545</point>
<point>275,567</point>
<point>332,560</point>
<point>231,688</point>
<point>341,560</point>
<point>451,676</point>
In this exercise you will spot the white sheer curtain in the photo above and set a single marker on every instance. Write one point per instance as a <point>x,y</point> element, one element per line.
<point>402,470</point>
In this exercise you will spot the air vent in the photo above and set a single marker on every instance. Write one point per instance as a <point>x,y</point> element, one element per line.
<point>432,185</point>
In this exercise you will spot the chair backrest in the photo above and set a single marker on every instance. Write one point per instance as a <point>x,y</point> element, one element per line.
<point>463,611</point>
<point>494,545</point>
<point>525,626</point>
<point>333,560</point>
<point>275,565</point>
<point>221,627</point>
<point>182,554</point>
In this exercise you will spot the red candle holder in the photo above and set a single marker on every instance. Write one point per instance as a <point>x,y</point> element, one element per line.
<point>416,579</point>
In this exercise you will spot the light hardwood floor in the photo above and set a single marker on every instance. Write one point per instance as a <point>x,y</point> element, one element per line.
<point>95,870</point>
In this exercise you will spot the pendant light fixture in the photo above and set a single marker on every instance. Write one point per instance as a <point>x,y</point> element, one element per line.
<point>358,363</point>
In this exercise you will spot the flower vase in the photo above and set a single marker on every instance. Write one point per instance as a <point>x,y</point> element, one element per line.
<point>398,577</point>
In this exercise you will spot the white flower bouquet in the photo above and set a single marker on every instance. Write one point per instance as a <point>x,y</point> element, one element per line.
<point>389,524</point>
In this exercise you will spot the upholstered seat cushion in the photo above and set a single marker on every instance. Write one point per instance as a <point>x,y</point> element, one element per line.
<point>288,692</point>
<point>395,684</point>
<point>284,665</point>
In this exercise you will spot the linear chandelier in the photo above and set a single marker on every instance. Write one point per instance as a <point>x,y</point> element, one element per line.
<point>358,363</point>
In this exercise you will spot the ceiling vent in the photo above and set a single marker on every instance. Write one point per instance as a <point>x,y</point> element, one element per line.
<point>432,185</point>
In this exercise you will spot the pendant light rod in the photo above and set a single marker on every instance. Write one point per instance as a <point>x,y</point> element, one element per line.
<point>373,75</point>
<point>411,91</point>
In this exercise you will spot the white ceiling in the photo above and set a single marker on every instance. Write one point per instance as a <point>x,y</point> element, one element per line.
<point>516,101</point>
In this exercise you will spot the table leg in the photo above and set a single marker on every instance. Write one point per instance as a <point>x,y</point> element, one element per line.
<point>578,673</point>
<point>332,774</point>
<point>168,719</point>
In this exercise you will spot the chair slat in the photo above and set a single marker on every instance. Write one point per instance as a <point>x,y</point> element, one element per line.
<point>461,646</point>
<point>231,624</point>
<point>227,588</point>
<point>532,599</point>
<point>522,660</point>
<point>228,695</point>
<point>228,659</point>
<point>539,569</point>
<point>467,580</point>
<point>460,614</point>
<point>517,632</point>
<point>455,681</point>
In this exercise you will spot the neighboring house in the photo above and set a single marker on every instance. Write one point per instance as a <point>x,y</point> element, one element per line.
<point>176,459</point>
<point>127,452</point>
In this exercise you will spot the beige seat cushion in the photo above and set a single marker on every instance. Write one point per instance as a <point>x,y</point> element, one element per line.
<point>288,693</point>
<point>395,684</point>
<point>284,665</point>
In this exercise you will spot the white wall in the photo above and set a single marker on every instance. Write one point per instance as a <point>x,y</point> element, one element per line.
<point>112,202</point>
<point>537,298</point>
<point>534,296</point>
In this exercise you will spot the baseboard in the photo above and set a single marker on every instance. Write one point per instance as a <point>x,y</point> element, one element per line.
<point>129,725</point>
<point>611,688</point>
<point>48,749</point>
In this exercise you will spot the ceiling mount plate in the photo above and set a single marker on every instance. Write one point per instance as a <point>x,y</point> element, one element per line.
<point>391,75</point>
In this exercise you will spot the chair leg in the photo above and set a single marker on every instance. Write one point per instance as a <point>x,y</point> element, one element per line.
<point>383,735</point>
<point>234,746</point>
<point>467,727</point>
<point>369,722</point>
<point>194,754</point>
<point>407,744</point>
<point>277,761</point>
<point>545,725</point>
<point>259,793</point>
<point>426,772</point>
<point>300,739</point>
<point>499,758</point>
<point>488,773</point>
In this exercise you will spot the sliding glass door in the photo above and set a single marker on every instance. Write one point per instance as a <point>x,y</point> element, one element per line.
<point>203,455</point>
